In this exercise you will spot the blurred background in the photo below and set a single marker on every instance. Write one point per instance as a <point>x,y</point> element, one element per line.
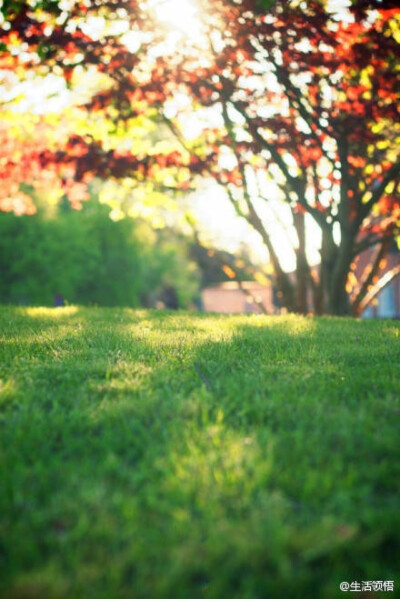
<point>190,154</point>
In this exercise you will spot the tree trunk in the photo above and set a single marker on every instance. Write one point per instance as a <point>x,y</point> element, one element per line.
<point>302,267</point>
<point>338,299</point>
<point>317,287</point>
<point>338,302</point>
<point>285,288</point>
<point>328,259</point>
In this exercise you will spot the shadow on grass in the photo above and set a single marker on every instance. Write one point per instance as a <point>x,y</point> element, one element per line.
<point>163,455</point>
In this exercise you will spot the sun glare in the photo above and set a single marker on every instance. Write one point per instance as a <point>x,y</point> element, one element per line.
<point>180,16</point>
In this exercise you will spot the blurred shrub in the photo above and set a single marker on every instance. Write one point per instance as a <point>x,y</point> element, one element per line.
<point>88,259</point>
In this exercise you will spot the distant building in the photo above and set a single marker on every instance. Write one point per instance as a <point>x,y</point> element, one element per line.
<point>387,302</point>
<point>229,298</point>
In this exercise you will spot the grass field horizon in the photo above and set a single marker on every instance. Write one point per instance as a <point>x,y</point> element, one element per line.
<point>159,455</point>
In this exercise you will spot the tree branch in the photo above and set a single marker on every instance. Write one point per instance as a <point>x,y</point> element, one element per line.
<point>381,284</point>
<point>390,175</point>
<point>369,275</point>
<point>296,185</point>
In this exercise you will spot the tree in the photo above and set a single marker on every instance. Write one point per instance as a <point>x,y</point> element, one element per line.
<point>302,97</point>
<point>88,259</point>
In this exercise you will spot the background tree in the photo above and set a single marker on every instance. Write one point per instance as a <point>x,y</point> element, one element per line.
<point>309,99</point>
<point>87,258</point>
<point>297,95</point>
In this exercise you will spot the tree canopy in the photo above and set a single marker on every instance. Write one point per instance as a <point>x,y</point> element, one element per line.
<point>296,117</point>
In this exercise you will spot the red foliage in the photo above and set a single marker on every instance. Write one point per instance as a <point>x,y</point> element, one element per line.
<point>302,85</point>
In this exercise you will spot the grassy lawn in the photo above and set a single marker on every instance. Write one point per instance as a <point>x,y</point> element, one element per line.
<point>149,455</point>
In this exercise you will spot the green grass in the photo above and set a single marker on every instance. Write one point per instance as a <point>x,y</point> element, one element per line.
<point>151,455</point>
